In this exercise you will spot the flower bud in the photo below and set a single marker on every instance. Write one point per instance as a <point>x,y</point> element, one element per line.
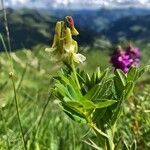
<point>76,46</point>
<point>70,23</point>
<point>55,41</point>
<point>58,28</point>
<point>68,38</point>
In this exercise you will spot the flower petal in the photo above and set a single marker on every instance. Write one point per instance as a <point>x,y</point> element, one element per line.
<point>70,49</point>
<point>79,58</point>
<point>50,49</point>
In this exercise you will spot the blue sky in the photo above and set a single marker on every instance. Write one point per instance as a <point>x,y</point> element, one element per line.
<point>77,3</point>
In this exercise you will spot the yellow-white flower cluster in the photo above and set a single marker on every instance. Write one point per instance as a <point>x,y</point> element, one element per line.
<point>64,47</point>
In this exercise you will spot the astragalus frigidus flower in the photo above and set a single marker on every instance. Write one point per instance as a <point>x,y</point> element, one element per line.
<point>64,47</point>
<point>124,59</point>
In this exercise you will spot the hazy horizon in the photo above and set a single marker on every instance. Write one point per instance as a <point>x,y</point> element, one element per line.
<point>77,4</point>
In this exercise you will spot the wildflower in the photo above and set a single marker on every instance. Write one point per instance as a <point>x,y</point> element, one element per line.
<point>64,47</point>
<point>125,59</point>
<point>68,41</point>
<point>71,48</point>
<point>134,55</point>
<point>120,60</point>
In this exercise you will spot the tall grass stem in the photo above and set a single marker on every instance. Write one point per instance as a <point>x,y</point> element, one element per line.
<point>17,110</point>
<point>6,25</point>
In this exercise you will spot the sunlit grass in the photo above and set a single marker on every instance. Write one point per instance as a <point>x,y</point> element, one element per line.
<point>32,73</point>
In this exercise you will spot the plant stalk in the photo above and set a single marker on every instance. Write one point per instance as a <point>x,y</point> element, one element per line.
<point>17,110</point>
<point>75,74</point>
<point>6,25</point>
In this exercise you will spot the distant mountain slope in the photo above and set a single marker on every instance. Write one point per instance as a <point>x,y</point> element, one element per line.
<point>131,28</point>
<point>29,27</point>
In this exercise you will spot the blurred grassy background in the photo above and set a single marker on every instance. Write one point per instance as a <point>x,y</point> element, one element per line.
<point>32,73</point>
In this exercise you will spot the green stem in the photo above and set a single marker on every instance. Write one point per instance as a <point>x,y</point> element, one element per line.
<point>102,137</point>
<point>111,144</point>
<point>75,74</point>
<point>105,138</point>
<point>17,110</point>
<point>110,133</point>
<point>99,131</point>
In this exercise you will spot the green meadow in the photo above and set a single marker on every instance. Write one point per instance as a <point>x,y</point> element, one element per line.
<point>45,126</point>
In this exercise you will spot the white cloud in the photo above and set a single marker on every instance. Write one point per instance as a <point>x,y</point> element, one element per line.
<point>78,3</point>
<point>144,1</point>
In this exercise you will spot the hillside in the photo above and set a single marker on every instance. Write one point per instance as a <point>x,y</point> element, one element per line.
<point>30,27</point>
<point>131,28</point>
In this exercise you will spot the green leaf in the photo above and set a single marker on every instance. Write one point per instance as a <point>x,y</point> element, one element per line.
<point>103,75</point>
<point>60,88</point>
<point>105,103</point>
<point>75,86</point>
<point>88,79</point>
<point>120,74</point>
<point>118,87</point>
<point>118,109</point>
<point>74,104</point>
<point>73,111</point>
<point>88,104</point>
<point>78,110</point>
<point>93,78</point>
<point>66,99</point>
<point>98,114</point>
<point>105,88</point>
<point>119,82</point>
<point>71,89</point>
<point>72,92</point>
<point>129,89</point>
<point>98,72</point>
<point>84,105</point>
<point>75,117</point>
<point>143,70</point>
<point>82,76</point>
<point>91,94</point>
<point>132,74</point>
